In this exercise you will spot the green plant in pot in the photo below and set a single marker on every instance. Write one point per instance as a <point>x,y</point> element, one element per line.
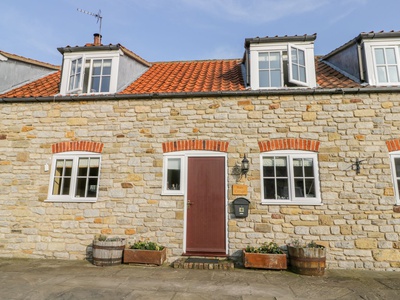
<point>267,256</point>
<point>145,252</point>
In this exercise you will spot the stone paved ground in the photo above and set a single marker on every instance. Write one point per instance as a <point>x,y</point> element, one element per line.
<point>57,279</point>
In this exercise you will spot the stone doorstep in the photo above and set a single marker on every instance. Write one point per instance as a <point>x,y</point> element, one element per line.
<point>182,263</point>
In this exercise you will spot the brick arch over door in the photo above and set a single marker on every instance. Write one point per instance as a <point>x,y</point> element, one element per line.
<point>77,146</point>
<point>184,145</point>
<point>289,144</point>
<point>393,145</point>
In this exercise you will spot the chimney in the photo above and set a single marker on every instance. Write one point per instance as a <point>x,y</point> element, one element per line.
<point>97,39</point>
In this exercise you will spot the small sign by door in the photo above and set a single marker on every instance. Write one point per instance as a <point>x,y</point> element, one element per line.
<point>239,189</point>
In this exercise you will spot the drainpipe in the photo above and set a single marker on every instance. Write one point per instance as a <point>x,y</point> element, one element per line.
<point>360,63</point>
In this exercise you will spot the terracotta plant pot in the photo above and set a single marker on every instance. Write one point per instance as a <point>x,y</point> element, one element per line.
<point>139,256</point>
<point>264,261</point>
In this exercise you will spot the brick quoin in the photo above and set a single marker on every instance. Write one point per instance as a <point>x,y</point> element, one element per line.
<point>393,145</point>
<point>77,146</point>
<point>289,144</point>
<point>184,145</point>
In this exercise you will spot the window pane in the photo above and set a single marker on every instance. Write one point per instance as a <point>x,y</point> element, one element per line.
<point>92,187</point>
<point>382,74</point>
<point>295,72</point>
<point>107,67</point>
<point>393,74</point>
<point>302,59</point>
<point>66,185</point>
<point>57,186</point>
<point>68,167</point>
<point>308,167</point>
<point>264,79</point>
<point>276,78</point>
<point>275,60</point>
<point>94,167</point>
<point>294,55</point>
<point>83,166</point>
<point>379,56</point>
<point>268,167</point>
<point>298,167</point>
<point>310,188</point>
<point>391,56</point>
<point>282,188</point>
<point>299,187</point>
<point>80,187</point>
<point>173,174</point>
<point>263,61</point>
<point>269,189</point>
<point>105,84</point>
<point>302,73</point>
<point>96,67</point>
<point>95,85</point>
<point>397,164</point>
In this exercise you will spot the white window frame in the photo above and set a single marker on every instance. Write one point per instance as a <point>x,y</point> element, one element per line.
<point>292,199</point>
<point>165,189</point>
<point>74,156</point>
<point>69,58</point>
<point>269,70</point>
<point>291,63</point>
<point>386,65</point>
<point>308,49</point>
<point>395,179</point>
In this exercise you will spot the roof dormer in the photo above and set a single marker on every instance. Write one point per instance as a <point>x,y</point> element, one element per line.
<point>280,62</point>
<point>372,58</point>
<point>99,69</point>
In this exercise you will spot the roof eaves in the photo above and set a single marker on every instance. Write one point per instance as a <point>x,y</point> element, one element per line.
<point>278,39</point>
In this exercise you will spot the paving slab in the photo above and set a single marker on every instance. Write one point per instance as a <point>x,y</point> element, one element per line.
<point>57,279</point>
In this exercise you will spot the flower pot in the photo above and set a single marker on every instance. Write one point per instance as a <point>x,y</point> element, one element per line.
<point>264,260</point>
<point>307,261</point>
<point>139,256</point>
<point>108,253</point>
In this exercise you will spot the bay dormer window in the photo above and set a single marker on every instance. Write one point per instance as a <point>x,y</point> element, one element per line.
<point>280,62</point>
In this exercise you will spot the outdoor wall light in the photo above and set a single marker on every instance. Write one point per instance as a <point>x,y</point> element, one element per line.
<point>245,166</point>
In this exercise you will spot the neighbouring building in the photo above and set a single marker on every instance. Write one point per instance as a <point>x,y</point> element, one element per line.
<point>113,144</point>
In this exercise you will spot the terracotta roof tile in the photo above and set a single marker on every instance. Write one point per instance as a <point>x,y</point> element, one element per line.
<point>329,78</point>
<point>189,76</point>
<point>183,77</point>
<point>44,87</point>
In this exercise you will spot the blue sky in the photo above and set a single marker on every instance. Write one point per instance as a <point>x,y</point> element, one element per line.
<point>168,30</point>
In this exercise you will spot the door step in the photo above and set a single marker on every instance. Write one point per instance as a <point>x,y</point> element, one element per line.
<point>203,263</point>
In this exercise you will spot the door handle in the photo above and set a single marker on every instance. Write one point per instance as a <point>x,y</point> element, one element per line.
<point>189,203</point>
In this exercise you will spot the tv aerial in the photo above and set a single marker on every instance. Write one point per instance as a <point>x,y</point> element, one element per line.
<point>97,16</point>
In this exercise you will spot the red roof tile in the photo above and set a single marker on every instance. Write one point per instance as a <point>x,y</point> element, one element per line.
<point>189,76</point>
<point>329,78</point>
<point>44,87</point>
<point>183,77</point>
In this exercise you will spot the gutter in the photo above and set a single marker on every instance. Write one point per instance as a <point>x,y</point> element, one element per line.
<point>342,91</point>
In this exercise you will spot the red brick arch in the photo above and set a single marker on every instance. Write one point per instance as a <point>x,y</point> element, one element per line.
<point>289,144</point>
<point>184,145</point>
<point>77,146</point>
<point>393,145</point>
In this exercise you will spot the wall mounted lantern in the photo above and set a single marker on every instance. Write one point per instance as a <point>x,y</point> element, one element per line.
<point>245,166</point>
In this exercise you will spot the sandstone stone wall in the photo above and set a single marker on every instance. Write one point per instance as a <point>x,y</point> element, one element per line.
<point>358,221</point>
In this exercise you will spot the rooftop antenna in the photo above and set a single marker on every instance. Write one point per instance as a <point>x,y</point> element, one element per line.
<point>97,16</point>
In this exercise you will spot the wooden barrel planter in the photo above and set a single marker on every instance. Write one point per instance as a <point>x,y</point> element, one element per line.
<point>108,253</point>
<point>307,261</point>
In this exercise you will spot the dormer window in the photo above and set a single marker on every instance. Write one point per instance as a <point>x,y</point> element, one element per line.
<point>90,73</point>
<point>280,62</point>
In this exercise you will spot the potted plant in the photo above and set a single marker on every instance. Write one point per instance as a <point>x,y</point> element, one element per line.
<point>145,252</point>
<point>307,259</point>
<point>267,256</point>
<point>107,251</point>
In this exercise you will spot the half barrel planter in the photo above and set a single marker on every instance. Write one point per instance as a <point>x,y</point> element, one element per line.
<point>139,256</point>
<point>108,253</point>
<point>264,261</point>
<point>307,261</point>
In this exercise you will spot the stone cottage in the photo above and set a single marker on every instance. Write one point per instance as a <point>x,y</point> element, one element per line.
<point>113,144</point>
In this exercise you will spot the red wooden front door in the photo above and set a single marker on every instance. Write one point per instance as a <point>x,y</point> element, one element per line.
<point>206,206</point>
